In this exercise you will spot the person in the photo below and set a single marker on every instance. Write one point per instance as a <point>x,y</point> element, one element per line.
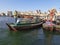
<point>18,21</point>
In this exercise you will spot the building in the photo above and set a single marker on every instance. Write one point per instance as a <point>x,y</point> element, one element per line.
<point>9,13</point>
<point>2,14</point>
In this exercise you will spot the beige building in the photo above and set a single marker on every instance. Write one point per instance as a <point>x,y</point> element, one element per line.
<point>9,13</point>
<point>42,15</point>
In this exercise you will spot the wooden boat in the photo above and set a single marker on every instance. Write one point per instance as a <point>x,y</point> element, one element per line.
<point>57,26</point>
<point>25,26</point>
<point>49,27</point>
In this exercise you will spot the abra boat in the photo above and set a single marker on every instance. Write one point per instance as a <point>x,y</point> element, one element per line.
<point>24,26</point>
<point>48,26</point>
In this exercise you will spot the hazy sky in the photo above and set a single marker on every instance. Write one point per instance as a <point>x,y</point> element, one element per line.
<point>24,5</point>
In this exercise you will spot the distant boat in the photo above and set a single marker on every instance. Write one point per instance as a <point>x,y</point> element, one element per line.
<point>24,26</point>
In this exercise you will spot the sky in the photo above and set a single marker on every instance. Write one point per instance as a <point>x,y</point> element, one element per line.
<point>25,5</point>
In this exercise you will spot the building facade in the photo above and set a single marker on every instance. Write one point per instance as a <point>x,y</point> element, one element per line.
<point>9,13</point>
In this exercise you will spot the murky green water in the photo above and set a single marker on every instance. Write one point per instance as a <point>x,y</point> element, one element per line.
<point>31,37</point>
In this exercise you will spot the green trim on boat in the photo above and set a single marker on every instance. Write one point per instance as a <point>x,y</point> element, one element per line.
<point>22,24</point>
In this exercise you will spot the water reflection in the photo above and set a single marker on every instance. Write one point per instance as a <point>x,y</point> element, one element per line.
<point>22,37</point>
<point>48,39</point>
<point>52,38</point>
<point>31,37</point>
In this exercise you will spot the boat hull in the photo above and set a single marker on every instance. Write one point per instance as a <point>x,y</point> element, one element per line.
<point>57,28</point>
<point>24,27</point>
<point>48,27</point>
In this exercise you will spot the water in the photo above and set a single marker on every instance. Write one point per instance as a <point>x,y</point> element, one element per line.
<point>31,37</point>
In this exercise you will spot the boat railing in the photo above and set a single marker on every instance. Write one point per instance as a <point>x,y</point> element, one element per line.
<point>28,21</point>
